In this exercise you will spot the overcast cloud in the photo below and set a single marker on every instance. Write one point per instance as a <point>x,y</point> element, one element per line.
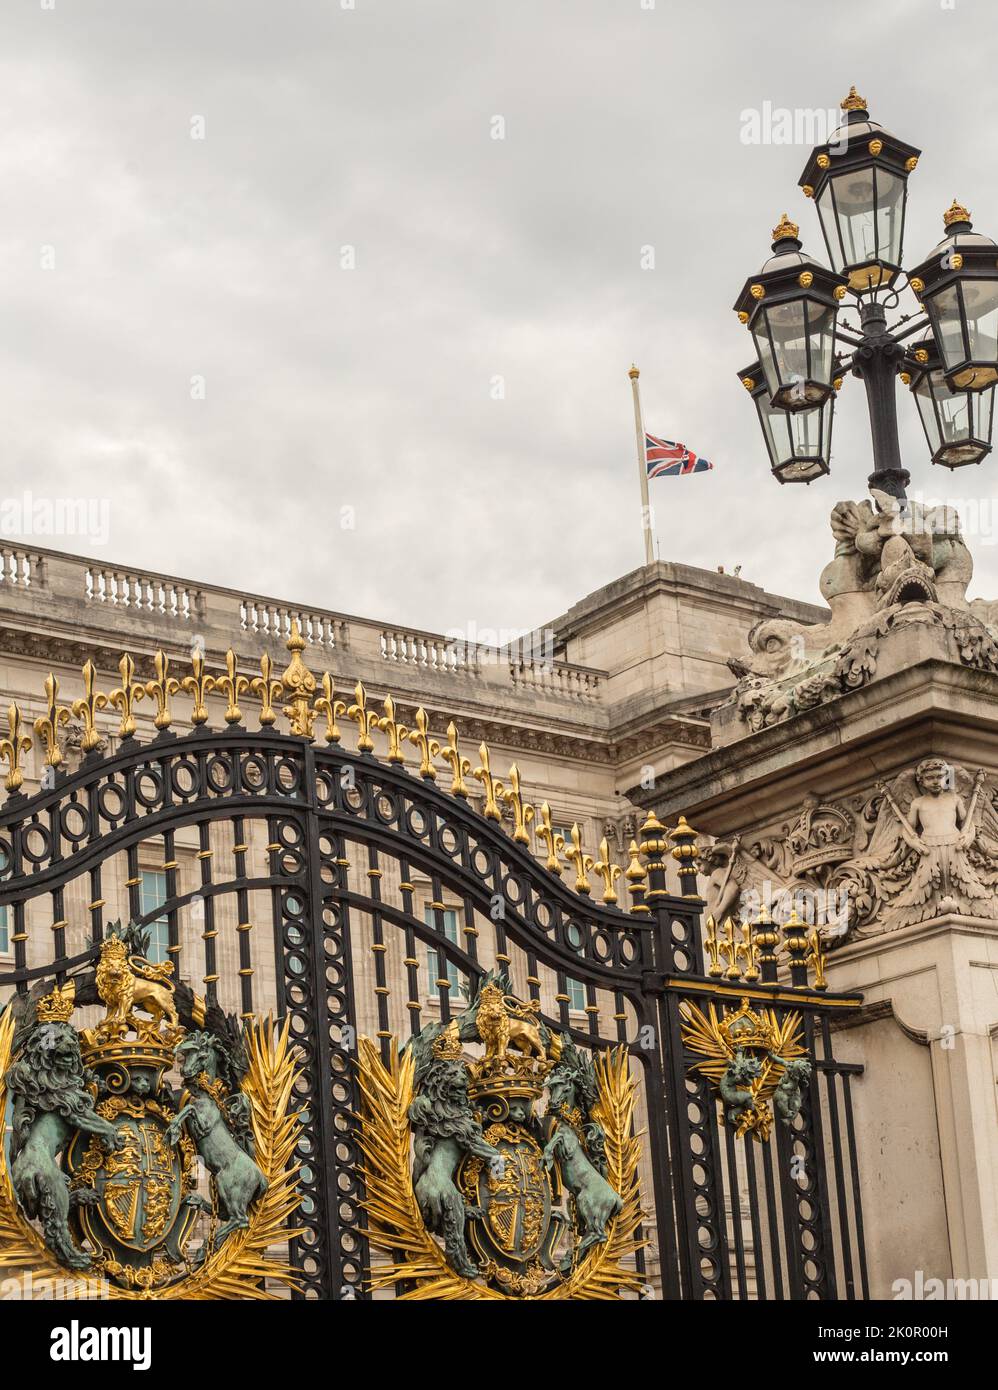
<point>328,388</point>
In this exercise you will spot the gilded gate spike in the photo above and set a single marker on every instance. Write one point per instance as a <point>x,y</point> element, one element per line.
<point>327,704</point>
<point>365,719</point>
<point>729,949</point>
<point>637,879</point>
<point>748,949</point>
<point>420,736</point>
<point>232,686</point>
<point>87,707</point>
<point>266,690</point>
<point>712,949</point>
<point>396,732</point>
<point>12,748</point>
<point>550,838</point>
<point>583,862</point>
<point>494,791</point>
<point>607,870</point>
<point>451,755</point>
<point>127,694</point>
<point>299,686</point>
<point>523,813</point>
<point>161,689</point>
<point>199,686</point>
<point>47,727</point>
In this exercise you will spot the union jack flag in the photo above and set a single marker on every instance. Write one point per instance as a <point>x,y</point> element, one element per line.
<point>666,459</point>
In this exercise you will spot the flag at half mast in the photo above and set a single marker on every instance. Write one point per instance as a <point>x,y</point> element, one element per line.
<point>664,458</point>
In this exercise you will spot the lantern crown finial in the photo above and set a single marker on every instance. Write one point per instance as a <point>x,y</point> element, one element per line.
<point>853,102</point>
<point>956,212</point>
<point>785,228</point>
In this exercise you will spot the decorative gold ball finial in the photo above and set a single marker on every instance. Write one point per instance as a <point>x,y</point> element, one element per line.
<point>785,228</point>
<point>633,373</point>
<point>853,102</point>
<point>956,212</point>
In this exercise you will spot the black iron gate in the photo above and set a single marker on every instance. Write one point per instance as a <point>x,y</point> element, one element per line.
<point>354,895</point>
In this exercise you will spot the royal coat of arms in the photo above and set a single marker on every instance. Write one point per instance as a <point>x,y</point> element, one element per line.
<point>472,1191</point>
<point>115,1175</point>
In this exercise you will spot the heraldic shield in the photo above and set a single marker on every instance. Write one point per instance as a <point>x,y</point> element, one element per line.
<point>487,1197</point>
<point>122,1183</point>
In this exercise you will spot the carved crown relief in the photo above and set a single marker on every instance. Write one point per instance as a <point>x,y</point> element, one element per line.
<point>920,846</point>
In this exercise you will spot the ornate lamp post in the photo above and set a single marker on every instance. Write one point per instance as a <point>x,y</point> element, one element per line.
<point>858,181</point>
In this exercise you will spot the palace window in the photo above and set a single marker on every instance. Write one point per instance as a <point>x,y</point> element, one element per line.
<point>4,932</point>
<point>152,895</point>
<point>437,967</point>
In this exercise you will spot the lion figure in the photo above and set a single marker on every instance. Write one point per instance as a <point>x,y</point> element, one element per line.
<point>126,982</point>
<point>48,1083</point>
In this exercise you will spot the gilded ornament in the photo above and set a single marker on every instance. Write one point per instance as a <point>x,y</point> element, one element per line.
<point>742,316</point>
<point>916,284</point>
<point>823,161</point>
<point>395,732</point>
<point>956,212</point>
<point>637,879</point>
<point>267,690</point>
<point>47,727</point>
<point>523,813</point>
<point>749,383</point>
<point>582,862</point>
<point>365,719</point>
<point>86,709</point>
<point>552,840</point>
<point>757,291</point>
<point>451,755</point>
<point>911,163</point>
<point>199,686</point>
<point>494,790</point>
<point>299,686</point>
<point>127,694</point>
<point>875,147</point>
<point>161,690</point>
<point>232,686</point>
<point>420,736</point>
<point>785,228</point>
<point>807,190</point>
<point>607,871</point>
<point>853,102</point>
<point>839,292</point>
<point>805,279</point>
<point>956,261</point>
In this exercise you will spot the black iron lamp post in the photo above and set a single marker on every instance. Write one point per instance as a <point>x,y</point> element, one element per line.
<point>858,180</point>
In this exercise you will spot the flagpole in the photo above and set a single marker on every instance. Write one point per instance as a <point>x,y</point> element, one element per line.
<point>639,432</point>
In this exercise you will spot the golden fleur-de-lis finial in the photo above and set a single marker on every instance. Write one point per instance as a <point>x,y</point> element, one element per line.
<point>583,862</point>
<point>395,731</point>
<point>127,694</point>
<point>420,736</point>
<point>327,704</point>
<point>299,686</point>
<point>161,689</point>
<point>267,690</point>
<point>47,727</point>
<point>553,840</point>
<point>13,748</point>
<point>729,948</point>
<point>86,708</point>
<point>523,813</point>
<point>818,959</point>
<point>748,949</point>
<point>712,949</point>
<point>637,879</point>
<point>451,755</point>
<point>232,686</point>
<point>365,719</point>
<point>198,685</point>
<point>606,870</point>
<point>494,790</point>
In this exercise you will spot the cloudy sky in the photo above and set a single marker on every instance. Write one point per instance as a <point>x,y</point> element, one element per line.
<point>442,434</point>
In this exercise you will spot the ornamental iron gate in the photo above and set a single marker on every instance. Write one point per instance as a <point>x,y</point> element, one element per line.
<point>353,896</point>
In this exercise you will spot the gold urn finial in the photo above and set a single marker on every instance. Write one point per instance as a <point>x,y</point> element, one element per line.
<point>853,102</point>
<point>956,212</point>
<point>299,685</point>
<point>785,228</point>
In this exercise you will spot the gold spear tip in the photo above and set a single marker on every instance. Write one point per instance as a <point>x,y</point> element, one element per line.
<point>633,373</point>
<point>785,228</point>
<point>853,102</point>
<point>956,212</point>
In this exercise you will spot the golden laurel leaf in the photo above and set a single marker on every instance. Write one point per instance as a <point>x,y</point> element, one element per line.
<point>396,1225</point>
<point>236,1270</point>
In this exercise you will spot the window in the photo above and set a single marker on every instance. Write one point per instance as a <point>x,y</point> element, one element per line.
<point>4,932</point>
<point>152,895</point>
<point>576,992</point>
<point>435,964</point>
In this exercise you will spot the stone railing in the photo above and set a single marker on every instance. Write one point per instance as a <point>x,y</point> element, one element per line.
<point>128,603</point>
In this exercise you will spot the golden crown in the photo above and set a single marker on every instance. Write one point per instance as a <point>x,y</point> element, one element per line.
<point>57,1006</point>
<point>956,212</point>
<point>785,228</point>
<point>508,1075</point>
